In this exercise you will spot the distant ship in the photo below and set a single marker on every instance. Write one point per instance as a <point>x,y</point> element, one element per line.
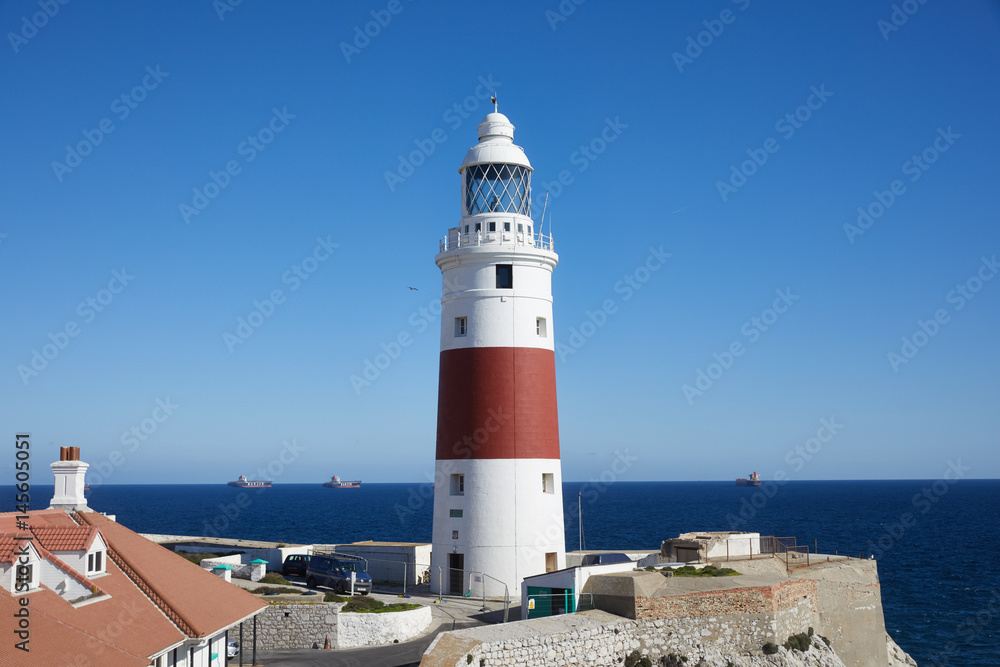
<point>753,481</point>
<point>336,483</point>
<point>245,483</point>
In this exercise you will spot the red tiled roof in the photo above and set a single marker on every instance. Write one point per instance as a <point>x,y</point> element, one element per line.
<point>156,598</point>
<point>204,603</point>
<point>10,545</point>
<point>52,641</point>
<point>65,538</point>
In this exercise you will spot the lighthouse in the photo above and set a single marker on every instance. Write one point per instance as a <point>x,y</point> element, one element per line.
<point>498,512</point>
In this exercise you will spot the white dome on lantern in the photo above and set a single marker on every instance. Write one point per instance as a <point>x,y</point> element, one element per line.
<point>496,144</point>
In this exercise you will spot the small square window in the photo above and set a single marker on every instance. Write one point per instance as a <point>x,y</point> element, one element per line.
<point>455,514</point>
<point>479,226</point>
<point>540,327</point>
<point>461,326</point>
<point>454,534</point>
<point>493,226</point>
<point>505,276</point>
<point>506,226</point>
<point>458,485</point>
<point>548,482</point>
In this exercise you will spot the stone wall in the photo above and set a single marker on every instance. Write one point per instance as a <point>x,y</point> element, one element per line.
<point>296,625</point>
<point>598,639</point>
<point>376,629</point>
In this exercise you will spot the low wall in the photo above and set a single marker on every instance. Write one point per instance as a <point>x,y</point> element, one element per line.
<point>297,625</point>
<point>355,629</point>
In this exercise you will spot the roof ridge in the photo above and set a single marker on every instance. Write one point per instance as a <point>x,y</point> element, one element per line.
<point>172,614</point>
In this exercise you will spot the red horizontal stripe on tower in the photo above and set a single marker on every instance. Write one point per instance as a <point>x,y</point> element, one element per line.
<point>497,403</point>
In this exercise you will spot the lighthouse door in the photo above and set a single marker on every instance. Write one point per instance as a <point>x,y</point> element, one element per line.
<point>456,574</point>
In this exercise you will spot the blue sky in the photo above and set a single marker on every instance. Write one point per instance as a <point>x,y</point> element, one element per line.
<point>669,125</point>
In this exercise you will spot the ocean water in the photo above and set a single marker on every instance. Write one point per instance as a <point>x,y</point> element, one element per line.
<point>937,544</point>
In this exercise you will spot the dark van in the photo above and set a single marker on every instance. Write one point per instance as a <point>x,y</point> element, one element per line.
<point>295,565</point>
<point>335,572</point>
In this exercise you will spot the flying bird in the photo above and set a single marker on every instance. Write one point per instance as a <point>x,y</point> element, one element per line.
<point>414,289</point>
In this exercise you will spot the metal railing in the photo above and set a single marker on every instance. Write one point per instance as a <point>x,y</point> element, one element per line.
<point>458,240</point>
<point>576,597</point>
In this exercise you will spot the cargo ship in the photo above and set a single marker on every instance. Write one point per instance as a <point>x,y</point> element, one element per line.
<point>753,481</point>
<point>337,483</point>
<point>244,483</point>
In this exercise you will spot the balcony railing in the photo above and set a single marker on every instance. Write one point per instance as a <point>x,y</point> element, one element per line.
<point>454,239</point>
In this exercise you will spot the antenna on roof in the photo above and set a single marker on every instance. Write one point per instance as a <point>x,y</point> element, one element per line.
<point>494,100</point>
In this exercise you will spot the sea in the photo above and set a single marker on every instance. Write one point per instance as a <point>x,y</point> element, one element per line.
<point>937,542</point>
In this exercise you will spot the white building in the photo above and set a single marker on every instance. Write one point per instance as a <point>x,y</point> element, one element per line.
<point>498,514</point>
<point>84,590</point>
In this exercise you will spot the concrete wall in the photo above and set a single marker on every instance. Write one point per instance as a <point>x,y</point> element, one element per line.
<point>385,560</point>
<point>376,629</point>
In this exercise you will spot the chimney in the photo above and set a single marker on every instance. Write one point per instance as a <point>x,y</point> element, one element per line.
<point>70,473</point>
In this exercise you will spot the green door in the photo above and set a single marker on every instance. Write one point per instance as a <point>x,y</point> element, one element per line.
<point>539,602</point>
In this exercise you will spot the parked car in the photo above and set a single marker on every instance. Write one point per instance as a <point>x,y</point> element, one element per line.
<point>232,648</point>
<point>335,572</point>
<point>295,565</point>
<point>604,559</point>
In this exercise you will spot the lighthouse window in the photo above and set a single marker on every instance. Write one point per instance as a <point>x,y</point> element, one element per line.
<point>520,228</point>
<point>458,485</point>
<point>493,226</point>
<point>461,326</point>
<point>540,327</point>
<point>497,188</point>
<point>506,226</point>
<point>479,226</point>
<point>548,483</point>
<point>455,514</point>
<point>505,276</point>
<point>466,229</point>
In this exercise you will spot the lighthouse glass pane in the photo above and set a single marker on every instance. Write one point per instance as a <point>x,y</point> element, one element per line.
<point>497,188</point>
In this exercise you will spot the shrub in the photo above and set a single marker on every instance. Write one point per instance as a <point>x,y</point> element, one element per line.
<point>770,648</point>
<point>274,578</point>
<point>825,640</point>
<point>673,660</point>
<point>333,597</point>
<point>799,642</point>
<point>707,571</point>
<point>366,605</point>
<point>636,659</point>
<point>263,590</point>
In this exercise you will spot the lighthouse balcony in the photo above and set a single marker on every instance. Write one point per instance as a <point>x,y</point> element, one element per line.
<point>506,233</point>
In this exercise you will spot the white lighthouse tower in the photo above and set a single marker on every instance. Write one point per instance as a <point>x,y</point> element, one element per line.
<point>498,512</point>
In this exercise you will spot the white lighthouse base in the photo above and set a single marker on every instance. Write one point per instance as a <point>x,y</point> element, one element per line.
<point>482,509</point>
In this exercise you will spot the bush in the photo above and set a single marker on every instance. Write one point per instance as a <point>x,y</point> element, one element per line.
<point>263,590</point>
<point>799,642</point>
<point>825,640</point>
<point>333,597</point>
<point>274,578</point>
<point>707,571</point>
<point>673,660</point>
<point>366,605</point>
<point>636,659</point>
<point>770,649</point>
